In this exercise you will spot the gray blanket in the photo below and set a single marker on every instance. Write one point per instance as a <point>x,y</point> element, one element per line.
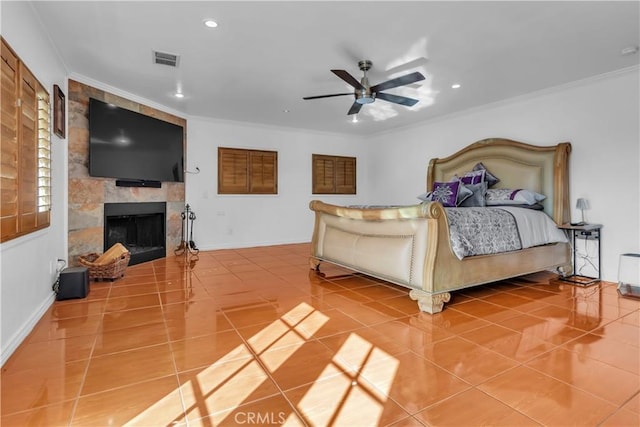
<point>482,231</point>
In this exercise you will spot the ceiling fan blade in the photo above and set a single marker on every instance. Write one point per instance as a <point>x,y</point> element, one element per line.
<point>407,65</point>
<point>398,81</point>
<point>355,108</point>
<point>328,96</point>
<point>403,100</point>
<point>348,78</point>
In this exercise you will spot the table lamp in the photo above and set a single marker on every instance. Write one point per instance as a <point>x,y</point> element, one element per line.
<point>582,204</point>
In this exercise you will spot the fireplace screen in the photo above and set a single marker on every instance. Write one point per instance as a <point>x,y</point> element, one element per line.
<point>138,226</point>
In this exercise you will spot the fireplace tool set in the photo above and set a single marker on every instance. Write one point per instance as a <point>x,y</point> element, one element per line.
<point>188,217</point>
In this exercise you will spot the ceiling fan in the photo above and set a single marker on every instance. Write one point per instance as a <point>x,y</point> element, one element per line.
<point>366,94</point>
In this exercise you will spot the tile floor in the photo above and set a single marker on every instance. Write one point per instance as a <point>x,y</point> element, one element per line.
<point>252,337</point>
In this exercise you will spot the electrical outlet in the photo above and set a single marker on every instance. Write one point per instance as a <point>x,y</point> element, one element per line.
<point>58,265</point>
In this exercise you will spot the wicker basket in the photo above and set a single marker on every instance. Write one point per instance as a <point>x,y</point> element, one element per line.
<point>111,271</point>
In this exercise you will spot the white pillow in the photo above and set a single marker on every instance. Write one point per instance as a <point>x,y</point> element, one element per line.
<point>508,196</point>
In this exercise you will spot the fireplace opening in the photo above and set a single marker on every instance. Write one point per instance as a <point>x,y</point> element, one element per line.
<point>140,227</point>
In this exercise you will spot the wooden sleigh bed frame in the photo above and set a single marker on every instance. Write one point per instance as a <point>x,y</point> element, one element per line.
<point>410,246</point>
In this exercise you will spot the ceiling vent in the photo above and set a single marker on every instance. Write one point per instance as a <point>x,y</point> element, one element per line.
<point>164,58</point>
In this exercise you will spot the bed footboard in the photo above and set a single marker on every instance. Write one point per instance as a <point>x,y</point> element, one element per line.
<point>411,246</point>
<point>391,243</point>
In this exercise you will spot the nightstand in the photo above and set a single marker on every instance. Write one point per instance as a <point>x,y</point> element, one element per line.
<point>583,232</point>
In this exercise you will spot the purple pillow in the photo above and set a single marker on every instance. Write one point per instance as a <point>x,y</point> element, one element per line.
<point>488,176</point>
<point>474,177</point>
<point>445,193</point>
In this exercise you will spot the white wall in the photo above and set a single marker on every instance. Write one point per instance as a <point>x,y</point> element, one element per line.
<point>228,221</point>
<point>25,263</point>
<point>600,117</point>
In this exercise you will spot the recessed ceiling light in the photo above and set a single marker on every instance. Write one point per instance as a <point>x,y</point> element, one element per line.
<point>179,95</point>
<point>355,119</point>
<point>455,86</point>
<point>210,23</point>
<point>285,111</point>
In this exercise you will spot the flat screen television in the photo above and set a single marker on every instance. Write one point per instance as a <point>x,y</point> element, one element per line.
<point>130,146</point>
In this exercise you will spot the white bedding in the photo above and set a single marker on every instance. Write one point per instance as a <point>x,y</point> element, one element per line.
<point>535,227</point>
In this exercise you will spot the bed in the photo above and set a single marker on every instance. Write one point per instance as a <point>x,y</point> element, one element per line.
<point>411,245</point>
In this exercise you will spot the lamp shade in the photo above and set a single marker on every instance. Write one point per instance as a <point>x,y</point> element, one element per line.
<point>582,204</point>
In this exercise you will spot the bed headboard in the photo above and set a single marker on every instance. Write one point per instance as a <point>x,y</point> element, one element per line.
<point>518,165</point>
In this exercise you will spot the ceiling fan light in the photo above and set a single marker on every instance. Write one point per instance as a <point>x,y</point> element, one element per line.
<point>366,99</point>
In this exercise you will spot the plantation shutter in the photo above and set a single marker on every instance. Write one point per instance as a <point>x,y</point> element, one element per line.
<point>25,149</point>
<point>323,174</point>
<point>263,172</point>
<point>345,175</point>
<point>44,157</point>
<point>243,171</point>
<point>333,174</point>
<point>9,145</point>
<point>233,172</point>
<point>28,150</point>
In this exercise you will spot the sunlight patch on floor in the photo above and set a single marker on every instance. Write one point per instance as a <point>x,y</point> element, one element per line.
<point>343,398</point>
<point>231,381</point>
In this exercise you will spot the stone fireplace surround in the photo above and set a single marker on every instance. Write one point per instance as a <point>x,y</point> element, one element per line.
<point>87,195</point>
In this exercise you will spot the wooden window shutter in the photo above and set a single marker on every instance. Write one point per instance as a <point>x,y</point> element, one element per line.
<point>25,147</point>
<point>333,174</point>
<point>264,172</point>
<point>28,150</point>
<point>233,171</point>
<point>345,175</point>
<point>9,145</point>
<point>44,158</point>
<point>323,174</point>
<point>243,171</point>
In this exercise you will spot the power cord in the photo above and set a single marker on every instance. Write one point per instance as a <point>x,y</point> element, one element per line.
<point>61,265</point>
<point>586,258</point>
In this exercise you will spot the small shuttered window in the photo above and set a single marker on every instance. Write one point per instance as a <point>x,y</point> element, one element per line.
<point>243,171</point>
<point>44,153</point>
<point>333,174</point>
<point>25,147</point>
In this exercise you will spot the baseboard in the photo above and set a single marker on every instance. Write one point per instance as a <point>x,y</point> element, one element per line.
<point>25,330</point>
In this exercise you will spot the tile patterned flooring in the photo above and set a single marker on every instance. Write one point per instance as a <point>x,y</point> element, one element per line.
<point>252,337</point>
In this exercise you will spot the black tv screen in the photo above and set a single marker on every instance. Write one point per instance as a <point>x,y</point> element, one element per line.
<point>127,145</point>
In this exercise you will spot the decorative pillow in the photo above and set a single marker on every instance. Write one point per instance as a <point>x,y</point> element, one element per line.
<point>477,198</point>
<point>461,195</point>
<point>488,176</point>
<point>507,196</point>
<point>464,192</point>
<point>446,193</point>
<point>473,177</point>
